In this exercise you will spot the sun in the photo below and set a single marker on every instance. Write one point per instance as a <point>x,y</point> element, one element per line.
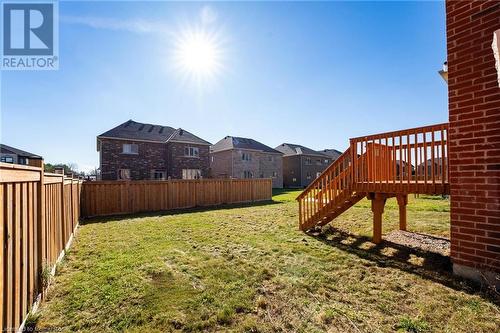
<point>198,55</point>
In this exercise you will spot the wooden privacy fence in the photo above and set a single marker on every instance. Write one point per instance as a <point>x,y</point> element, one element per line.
<point>125,197</point>
<point>39,213</point>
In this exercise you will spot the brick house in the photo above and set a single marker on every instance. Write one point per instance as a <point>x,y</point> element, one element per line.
<point>234,157</point>
<point>473,30</point>
<point>301,165</point>
<point>138,151</point>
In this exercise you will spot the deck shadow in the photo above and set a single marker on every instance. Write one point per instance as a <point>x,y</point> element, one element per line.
<point>428,265</point>
<point>198,209</point>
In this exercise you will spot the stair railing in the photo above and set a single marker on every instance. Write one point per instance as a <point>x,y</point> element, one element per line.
<point>326,190</point>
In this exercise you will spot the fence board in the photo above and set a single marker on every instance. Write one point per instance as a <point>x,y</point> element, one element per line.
<point>116,197</point>
<point>37,219</point>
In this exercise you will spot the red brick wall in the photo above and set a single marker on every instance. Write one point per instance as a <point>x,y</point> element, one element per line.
<point>474,147</point>
<point>150,156</point>
<point>177,161</point>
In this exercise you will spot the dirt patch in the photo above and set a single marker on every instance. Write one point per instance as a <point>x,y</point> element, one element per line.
<point>420,241</point>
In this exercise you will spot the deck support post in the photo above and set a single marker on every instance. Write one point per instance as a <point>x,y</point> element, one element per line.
<point>378,203</point>
<point>402,202</point>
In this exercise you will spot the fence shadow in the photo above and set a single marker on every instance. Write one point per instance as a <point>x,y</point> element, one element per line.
<point>177,211</point>
<point>428,265</point>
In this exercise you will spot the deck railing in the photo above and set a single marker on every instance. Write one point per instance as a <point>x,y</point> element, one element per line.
<point>408,161</point>
<point>412,160</point>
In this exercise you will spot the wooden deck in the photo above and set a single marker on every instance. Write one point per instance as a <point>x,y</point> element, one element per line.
<point>414,187</point>
<point>392,164</point>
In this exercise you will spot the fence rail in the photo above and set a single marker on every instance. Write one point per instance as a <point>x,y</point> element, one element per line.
<point>39,213</point>
<point>116,197</point>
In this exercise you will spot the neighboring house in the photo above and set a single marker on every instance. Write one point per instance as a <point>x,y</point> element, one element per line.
<point>137,151</point>
<point>234,157</point>
<point>440,165</point>
<point>13,155</point>
<point>333,153</point>
<point>301,165</point>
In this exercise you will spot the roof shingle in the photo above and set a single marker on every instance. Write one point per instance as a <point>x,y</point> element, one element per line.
<point>11,150</point>
<point>234,142</point>
<point>133,130</point>
<point>289,149</point>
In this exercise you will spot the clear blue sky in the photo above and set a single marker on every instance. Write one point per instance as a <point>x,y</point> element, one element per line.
<point>309,73</point>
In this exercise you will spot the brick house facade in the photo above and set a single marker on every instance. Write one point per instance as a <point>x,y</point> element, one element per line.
<point>474,147</point>
<point>234,157</point>
<point>301,165</point>
<point>178,161</point>
<point>138,151</point>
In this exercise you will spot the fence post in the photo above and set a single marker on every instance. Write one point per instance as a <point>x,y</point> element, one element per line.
<point>40,226</point>
<point>63,220</point>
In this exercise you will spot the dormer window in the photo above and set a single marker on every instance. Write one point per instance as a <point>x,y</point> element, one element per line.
<point>130,148</point>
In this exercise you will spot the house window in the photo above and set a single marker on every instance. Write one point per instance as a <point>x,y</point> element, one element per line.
<point>124,174</point>
<point>130,148</point>
<point>275,174</point>
<point>294,180</point>
<point>7,159</point>
<point>247,174</point>
<point>191,173</point>
<point>308,161</point>
<point>192,151</point>
<point>158,174</point>
<point>22,160</point>
<point>246,157</point>
<point>318,162</point>
<point>271,158</point>
<point>327,161</point>
<point>308,175</point>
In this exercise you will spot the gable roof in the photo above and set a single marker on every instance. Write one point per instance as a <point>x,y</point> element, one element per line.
<point>4,149</point>
<point>133,130</point>
<point>290,149</point>
<point>333,153</point>
<point>234,142</point>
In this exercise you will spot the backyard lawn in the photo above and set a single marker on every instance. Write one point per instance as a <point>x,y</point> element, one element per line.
<point>249,269</point>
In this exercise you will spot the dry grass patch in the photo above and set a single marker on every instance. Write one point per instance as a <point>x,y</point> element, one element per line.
<point>249,269</point>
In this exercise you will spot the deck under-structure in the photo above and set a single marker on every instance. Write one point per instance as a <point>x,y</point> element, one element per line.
<point>380,166</point>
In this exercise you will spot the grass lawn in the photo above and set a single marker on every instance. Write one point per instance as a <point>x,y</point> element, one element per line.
<point>249,269</point>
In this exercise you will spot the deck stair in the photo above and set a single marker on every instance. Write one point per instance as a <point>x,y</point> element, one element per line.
<point>378,167</point>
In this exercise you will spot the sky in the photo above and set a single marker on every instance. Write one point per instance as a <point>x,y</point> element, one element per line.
<point>314,74</point>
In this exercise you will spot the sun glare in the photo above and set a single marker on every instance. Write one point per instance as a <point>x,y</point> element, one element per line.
<point>198,55</point>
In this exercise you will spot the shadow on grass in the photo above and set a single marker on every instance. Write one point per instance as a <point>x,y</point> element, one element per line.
<point>426,264</point>
<point>198,209</point>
